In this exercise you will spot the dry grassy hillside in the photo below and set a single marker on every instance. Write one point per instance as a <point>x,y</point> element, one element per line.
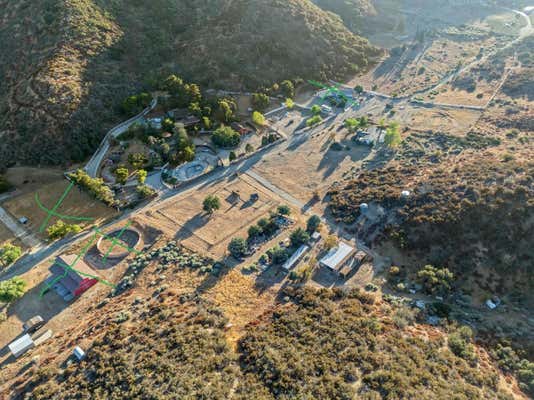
<point>67,64</point>
<point>322,344</point>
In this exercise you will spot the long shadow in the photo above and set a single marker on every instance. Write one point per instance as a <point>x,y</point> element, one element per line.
<point>211,280</point>
<point>332,158</point>
<point>378,161</point>
<point>187,230</point>
<point>309,204</point>
<point>249,203</point>
<point>324,277</point>
<point>386,66</point>
<point>298,141</point>
<point>272,276</point>
<point>32,304</point>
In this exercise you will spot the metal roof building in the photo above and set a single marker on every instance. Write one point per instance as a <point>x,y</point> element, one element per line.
<point>338,256</point>
<point>294,259</point>
<point>69,283</point>
<point>21,345</point>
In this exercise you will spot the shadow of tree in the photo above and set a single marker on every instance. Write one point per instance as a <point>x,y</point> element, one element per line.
<point>188,229</point>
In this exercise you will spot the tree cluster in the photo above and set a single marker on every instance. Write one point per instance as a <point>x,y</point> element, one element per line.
<point>12,289</point>
<point>60,229</point>
<point>225,137</point>
<point>95,186</point>
<point>9,253</point>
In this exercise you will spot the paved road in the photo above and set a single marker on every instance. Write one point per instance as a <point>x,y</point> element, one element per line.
<point>41,253</point>
<point>96,160</point>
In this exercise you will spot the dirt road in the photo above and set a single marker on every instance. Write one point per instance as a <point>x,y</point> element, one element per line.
<point>18,230</point>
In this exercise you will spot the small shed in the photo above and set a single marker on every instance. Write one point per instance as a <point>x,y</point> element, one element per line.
<point>359,258</point>
<point>79,353</point>
<point>21,345</point>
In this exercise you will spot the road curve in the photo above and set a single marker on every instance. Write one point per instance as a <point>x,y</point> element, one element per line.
<point>96,160</point>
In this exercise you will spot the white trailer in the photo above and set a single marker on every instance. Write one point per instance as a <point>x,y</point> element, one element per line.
<point>21,345</point>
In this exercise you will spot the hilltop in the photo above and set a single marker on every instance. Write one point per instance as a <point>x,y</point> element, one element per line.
<point>69,64</point>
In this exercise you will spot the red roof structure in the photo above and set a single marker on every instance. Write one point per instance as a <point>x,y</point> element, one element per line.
<point>71,282</point>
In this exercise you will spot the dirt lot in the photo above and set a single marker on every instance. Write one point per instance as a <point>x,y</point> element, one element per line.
<point>77,203</point>
<point>184,220</point>
<point>306,163</point>
<point>421,66</point>
<point>455,122</point>
<point>54,309</point>
<point>27,179</point>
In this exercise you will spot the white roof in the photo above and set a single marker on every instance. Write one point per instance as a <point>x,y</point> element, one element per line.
<point>491,305</point>
<point>21,345</point>
<point>337,255</point>
<point>295,257</point>
<point>79,353</point>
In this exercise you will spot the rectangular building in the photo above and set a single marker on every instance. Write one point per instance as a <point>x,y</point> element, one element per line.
<point>337,257</point>
<point>295,258</point>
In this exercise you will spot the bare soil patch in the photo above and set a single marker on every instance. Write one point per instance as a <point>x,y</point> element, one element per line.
<point>306,163</point>
<point>77,203</point>
<point>184,219</point>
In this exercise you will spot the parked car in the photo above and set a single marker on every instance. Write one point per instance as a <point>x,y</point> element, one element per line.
<point>33,324</point>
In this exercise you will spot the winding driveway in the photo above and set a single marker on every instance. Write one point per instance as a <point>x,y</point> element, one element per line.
<point>94,163</point>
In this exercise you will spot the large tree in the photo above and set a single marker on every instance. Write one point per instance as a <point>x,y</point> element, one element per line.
<point>12,289</point>
<point>211,204</point>
<point>9,253</point>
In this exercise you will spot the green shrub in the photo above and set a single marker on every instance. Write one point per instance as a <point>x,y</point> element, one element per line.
<point>60,229</point>
<point>315,120</point>
<point>260,101</point>
<point>299,237</point>
<point>12,289</point>
<point>277,255</point>
<point>258,118</point>
<point>284,210</point>
<point>393,137</point>
<point>237,247</point>
<point>4,185</point>
<point>313,224</point>
<point>95,186</point>
<point>211,204</point>
<point>435,280</point>
<point>9,253</point>
<point>224,136</point>
<point>144,191</point>
<point>460,343</point>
